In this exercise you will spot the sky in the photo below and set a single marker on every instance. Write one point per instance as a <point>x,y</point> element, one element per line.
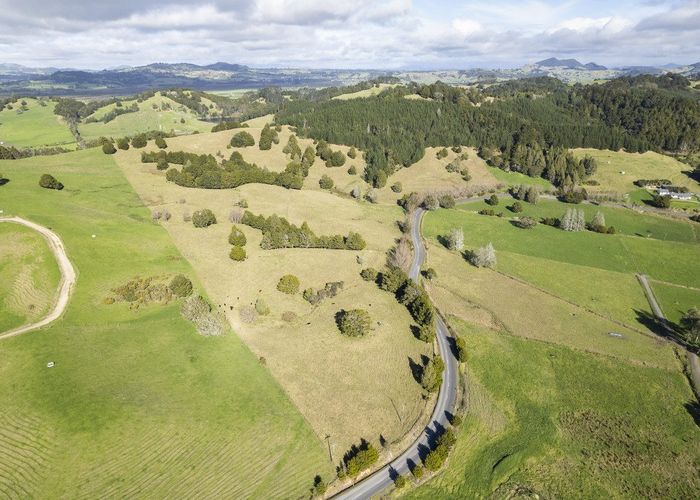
<point>371,34</point>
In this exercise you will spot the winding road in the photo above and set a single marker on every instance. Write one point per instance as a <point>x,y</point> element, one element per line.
<point>65,285</point>
<point>383,478</point>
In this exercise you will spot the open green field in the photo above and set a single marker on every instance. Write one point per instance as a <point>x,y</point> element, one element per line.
<point>591,270</point>
<point>38,126</point>
<point>155,113</point>
<point>554,422</point>
<point>29,273</point>
<point>675,300</point>
<point>370,92</point>
<point>138,404</point>
<point>650,165</point>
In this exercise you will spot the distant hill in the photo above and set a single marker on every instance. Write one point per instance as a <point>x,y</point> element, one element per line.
<point>553,62</point>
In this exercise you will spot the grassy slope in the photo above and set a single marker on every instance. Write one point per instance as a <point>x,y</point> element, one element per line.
<point>636,166</point>
<point>138,403</point>
<point>145,119</point>
<point>29,273</point>
<point>516,178</point>
<point>675,300</point>
<point>562,423</point>
<point>309,357</point>
<point>37,127</point>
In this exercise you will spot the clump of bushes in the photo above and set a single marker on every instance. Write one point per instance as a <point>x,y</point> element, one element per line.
<point>358,459</point>
<point>48,181</point>
<point>203,218</point>
<point>242,139</point>
<point>526,222</point>
<point>288,284</point>
<point>330,290</point>
<point>369,274</point>
<point>280,233</point>
<point>236,237</point>
<point>208,322</point>
<point>353,323</point>
<point>181,286</point>
<point>143,291</point>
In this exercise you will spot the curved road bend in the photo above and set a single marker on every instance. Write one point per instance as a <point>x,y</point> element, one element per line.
<point>65,285</point>
<point>382,479</point>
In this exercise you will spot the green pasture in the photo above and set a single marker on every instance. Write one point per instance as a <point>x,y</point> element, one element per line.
<point>34,126</point>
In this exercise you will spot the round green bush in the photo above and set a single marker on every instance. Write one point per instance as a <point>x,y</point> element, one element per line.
<point>354,323</point>
<point>108,148</point>
<point>288,284</point>
<point>242,139</point>
<point>203,218</point>
<point>48,181</point>
<point>325,182</point>
<point>237,237</point>
<point>237,253</point>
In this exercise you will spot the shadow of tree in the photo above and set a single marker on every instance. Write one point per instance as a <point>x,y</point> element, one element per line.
<point>416,369</point>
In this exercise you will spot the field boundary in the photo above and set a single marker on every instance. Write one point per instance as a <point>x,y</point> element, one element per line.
<point>65,285</point>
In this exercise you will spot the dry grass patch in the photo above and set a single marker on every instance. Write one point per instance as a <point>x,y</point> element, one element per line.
<point>346,388</point>
<point>635,166</point>
<point>429,174</point>
<point>370,92</point>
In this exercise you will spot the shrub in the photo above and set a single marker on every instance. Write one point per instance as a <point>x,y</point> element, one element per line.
<point>248,314</point>
<point>431,375</point>
<point>108,148</point>
<point>400,482</point>
<point>461,349</point>
<point>417,471</point>
<point>441,154</point>
<point>267,137</point>
<point>397,187</point>
<point>661,201</point>
<point>123,143</point>
<point>203,218</point>
<point>487,211</point>
<point>237,253</point>
<point>354,323</point>
<point>493,200</point>
<point>369,274</point>
<point>430,202</point>
<point>455,240</point>
<point>430,274</point>
<point>516,207</point>
<point>236,237</point>
<point>352,153</point>
<point>181,286</point>
<point>392,279</point>
<point>426,333</point>
<point>160,143</point>
<point>550,221</point>
<point>140,141</point>
<point>532,195</point>
<point>288,284</point>
<point>330,290</point>
<point>199,312</point>
<point>325,182</point>
<point>261,307</point>
<point>372,196</point>
<point>289,316</point>
<point>352,170</point>
<point>380,179</point>
<point>162,164</point>
<point>446,201</point>
<point>48,181</point>
<point>526,222</point>
<point>574,197</point>
<point>319,488</point>
<point>337,159</point>
<point>242,140</point>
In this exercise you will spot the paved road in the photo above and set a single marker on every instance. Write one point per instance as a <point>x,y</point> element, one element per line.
<point>65,286</point>
<point>374,484</point>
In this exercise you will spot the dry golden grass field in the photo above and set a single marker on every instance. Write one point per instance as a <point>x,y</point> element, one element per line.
<point>370,92</point>
<point>346,388</point>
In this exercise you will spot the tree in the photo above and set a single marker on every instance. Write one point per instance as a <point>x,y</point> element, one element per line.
<point>242,139</point>
<point>203,218</point>
<point>337,159</point>
<point>392,279</point>
<point>455,240</point>
<point>354,323</point>
<point>320,487</point>
<point>380,179</point>
<point>573,220</point>
<point>690,323</point>
<point>352,153</point>
<point>598,223</point>
<point>516,207</point>
<point>352,170</point>
<point>123,143</point>
<point>267,137</point>
<point>461,349</point>
<point>181,286</point>
<point>661,201</point>
<point>400,482</point>
<point>292,148</point>
<point>288,284</point>
<point>426,333</point>
<point>532,195</point>
<point>354,241</point>
<point>162,164</point>
<point>160,143</point>
<point>48,181</point>
<point>236,237</point>
<point>493,200</point>
<point>401,255</point>
<point>325,182</point>
<point>108,148</point>
<point>446,201</point>
<point>431,375</point>
<point>484,256</point>
<point>396,187</point>
<point>430,274</point>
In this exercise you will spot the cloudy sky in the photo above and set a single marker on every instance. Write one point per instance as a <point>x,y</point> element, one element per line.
<point>405,34</point>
